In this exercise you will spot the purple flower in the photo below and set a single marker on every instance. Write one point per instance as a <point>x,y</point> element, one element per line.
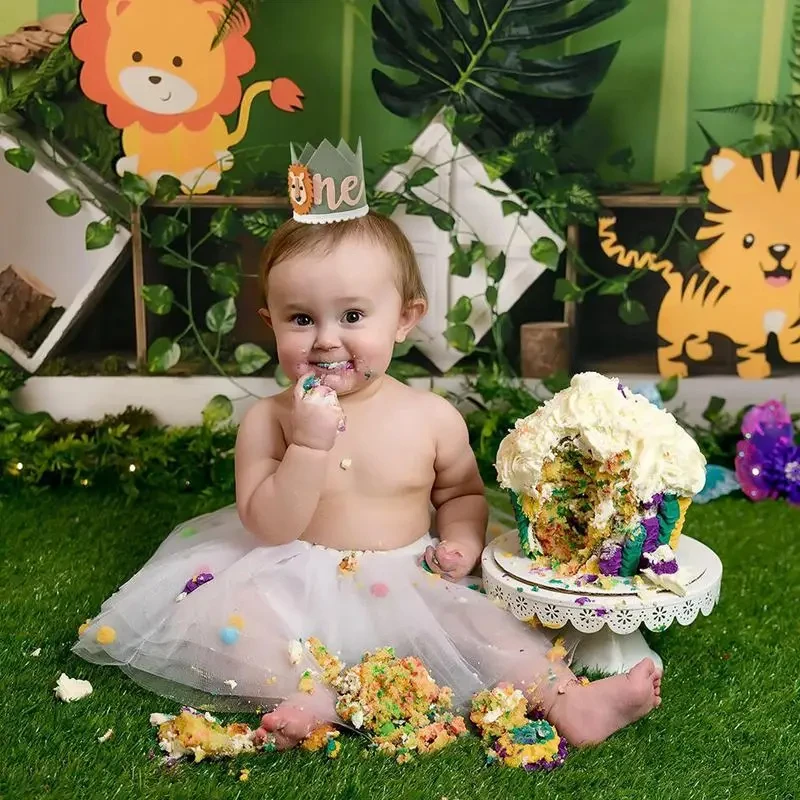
<point>610,560</point>
<point>582,601</point>
<point>582,580</point>
<point>767,460</point>
<point>600,612</point>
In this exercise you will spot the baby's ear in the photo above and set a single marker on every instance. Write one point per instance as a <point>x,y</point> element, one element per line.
<point>411,315</point>
<point>264,314</point>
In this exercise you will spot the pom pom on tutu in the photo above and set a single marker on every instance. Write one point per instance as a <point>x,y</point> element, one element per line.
<point>510,736</point>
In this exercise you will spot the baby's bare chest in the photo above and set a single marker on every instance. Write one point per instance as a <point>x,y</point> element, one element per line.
<point>384,458</point>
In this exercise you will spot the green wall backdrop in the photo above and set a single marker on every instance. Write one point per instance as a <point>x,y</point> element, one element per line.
<point>676,57</point>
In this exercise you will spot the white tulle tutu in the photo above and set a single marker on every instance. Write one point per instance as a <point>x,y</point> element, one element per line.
<point>226,644</point>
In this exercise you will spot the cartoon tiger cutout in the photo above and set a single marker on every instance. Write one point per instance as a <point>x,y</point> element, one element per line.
<point>747,284</point>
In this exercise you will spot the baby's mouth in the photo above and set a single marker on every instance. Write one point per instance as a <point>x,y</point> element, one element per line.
<point>334,366</point>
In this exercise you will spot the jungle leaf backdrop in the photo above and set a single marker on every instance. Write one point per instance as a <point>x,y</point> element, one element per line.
<point>480,56</point>
<point>675,57</point>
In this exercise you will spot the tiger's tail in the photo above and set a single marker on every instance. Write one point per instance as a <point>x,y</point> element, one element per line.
<point>633,259</point>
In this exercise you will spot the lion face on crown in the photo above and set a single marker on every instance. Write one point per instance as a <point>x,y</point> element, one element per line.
<point>152,62</point>
<point>300,188</point>
<point>751,221</point>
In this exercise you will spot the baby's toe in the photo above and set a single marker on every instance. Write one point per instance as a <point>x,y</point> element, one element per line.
<point>273,721</point>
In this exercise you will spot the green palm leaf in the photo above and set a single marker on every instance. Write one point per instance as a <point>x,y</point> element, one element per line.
<point>482,59</point>
<point>234,11</point>
<point>787,111</point>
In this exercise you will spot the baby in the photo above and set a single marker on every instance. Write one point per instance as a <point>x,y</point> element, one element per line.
<point>339,297</point>
<point>332,522</point>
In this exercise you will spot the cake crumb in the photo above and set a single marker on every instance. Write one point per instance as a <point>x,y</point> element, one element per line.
<point>345,463</point>
<point>231,683</point>
<point>295,651</point>
<point>36,653</point>
<point>244,775</point>
<point>557,652</point>
<point>71,689</point>
<point>106,736</point>
<point>306,683</point>
<point>349,564</point>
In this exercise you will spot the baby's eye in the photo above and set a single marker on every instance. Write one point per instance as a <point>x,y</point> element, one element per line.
<point>352,317</point>
<point>302,320</point>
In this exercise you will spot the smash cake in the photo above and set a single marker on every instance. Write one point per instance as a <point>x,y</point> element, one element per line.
<point>601,480</point>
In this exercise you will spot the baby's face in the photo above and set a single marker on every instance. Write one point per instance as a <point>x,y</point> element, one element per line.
<point>337,315</point>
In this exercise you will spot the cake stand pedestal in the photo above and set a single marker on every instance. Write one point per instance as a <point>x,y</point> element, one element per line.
<point>608,624</point>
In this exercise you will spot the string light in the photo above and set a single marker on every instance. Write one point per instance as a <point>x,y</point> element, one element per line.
<point>20,466</point>
<point>132,468</point>
<point>84,482</point>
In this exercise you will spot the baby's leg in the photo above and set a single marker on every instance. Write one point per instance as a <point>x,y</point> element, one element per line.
<point>297,716</point>
<point>504,650</point>
<point>588,714</point>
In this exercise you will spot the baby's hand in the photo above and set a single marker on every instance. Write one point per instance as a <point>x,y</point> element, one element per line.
<point>451,561</point>
<point>316,416</point>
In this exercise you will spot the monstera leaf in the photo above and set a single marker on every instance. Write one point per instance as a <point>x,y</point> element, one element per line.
<point>479,56</point>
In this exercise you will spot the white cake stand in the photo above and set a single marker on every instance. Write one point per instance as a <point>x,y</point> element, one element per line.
<point>612,642</point>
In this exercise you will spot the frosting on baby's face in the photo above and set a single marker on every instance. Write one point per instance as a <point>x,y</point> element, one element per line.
<point>603,420</point>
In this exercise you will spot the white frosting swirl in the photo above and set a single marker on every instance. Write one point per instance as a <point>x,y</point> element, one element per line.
<point>603,422</point>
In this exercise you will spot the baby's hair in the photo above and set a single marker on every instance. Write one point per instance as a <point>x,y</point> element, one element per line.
<point>295,238</point>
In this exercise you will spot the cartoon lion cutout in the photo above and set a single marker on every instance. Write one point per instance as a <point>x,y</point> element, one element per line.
<point>152,65</point>
<point>747,285</point>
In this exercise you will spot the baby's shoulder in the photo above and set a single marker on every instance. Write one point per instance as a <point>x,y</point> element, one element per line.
<point>266,412</point>
<point>435,408</point>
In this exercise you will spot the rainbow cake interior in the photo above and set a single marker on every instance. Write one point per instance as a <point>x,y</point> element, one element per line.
<point>586,519</point>
<point>601,481</point>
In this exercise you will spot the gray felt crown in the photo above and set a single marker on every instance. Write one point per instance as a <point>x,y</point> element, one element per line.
<point>326,183</point>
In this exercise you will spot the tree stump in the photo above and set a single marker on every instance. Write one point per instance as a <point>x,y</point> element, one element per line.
<point>24,303</point>
<point>544,348</point>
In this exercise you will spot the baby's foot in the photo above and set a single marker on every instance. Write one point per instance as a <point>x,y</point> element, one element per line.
<point>289,723</point>
<point>587,715</point>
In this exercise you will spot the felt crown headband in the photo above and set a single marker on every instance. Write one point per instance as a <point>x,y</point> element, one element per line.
<point>326,183</point>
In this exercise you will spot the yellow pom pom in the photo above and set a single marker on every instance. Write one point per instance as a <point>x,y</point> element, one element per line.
<point>105,635</point>
<point>235,621</point>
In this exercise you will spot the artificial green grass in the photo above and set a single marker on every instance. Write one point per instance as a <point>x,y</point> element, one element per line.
<point>729,726</point>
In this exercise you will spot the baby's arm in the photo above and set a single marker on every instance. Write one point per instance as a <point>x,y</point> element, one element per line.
<point>277,485</point>
<point>458,494</point>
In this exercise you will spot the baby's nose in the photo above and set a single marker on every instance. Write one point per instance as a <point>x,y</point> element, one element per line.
<point>327,337</point>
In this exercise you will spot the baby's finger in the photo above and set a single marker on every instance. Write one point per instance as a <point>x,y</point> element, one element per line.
<point>431,560</point>
<point>447,559</point>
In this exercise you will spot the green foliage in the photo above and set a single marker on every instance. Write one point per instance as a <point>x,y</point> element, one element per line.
<point>66,203</point>
<point>493,402</point>
<point>127,451</point>
<point>21,157</point>
<point>480,59</point>
<point>100,234</point>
